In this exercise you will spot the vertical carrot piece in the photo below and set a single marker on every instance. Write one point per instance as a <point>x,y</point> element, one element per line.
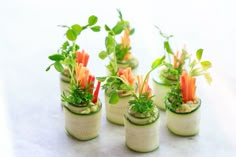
<point>85,59</point>
<point>78,57</point>
<point>96,92</point>
<point>81,76</point>
<point>85,78</point>
<point>193,88</point>
<point>189,89</point>
<point>183,85</point>
<point>176,59</point>
<point>146,84</point>
<point>130,77</point>
<point>77,72</point>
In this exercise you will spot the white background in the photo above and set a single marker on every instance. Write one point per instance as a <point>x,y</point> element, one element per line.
<point>31,121</point>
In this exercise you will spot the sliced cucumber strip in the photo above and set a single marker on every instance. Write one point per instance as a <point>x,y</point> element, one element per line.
<point>83,110</point>
<point>64,86</point>
<point>115,112</point>
<point>132,62</point>
<point>183,124</point>
<point>82,126</point>
<point>160,91</point>
<point>142,137</point>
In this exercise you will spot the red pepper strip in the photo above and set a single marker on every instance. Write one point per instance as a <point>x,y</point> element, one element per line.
<point>95,95</point>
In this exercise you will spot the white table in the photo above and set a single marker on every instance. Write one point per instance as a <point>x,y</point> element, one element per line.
<point>31,117</point>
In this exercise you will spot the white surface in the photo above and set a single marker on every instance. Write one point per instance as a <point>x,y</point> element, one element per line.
<point>29,33</point>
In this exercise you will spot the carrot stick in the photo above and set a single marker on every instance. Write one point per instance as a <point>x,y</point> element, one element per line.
<point>77,71</point>
<point>85,59</point>
<point>189,89</point>
<point>78,57</point>
<point>176,59</point>
<point>183,80</point>
<point>146,84</point>
<point>193,88</point>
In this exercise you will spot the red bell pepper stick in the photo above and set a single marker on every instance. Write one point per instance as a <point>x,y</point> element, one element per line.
<point>95,95</point>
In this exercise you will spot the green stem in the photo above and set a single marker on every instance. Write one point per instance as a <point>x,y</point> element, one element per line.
<point>169,58</point>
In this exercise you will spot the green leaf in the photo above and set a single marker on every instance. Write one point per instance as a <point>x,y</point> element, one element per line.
<point>71,35</point>
<point>96,28</point>
<point>107,28</point>
<point>103,54</point>
<point>157,62</point>
<point>77,28</point>
<point>118,28</point>
<point>92,20</point>
<point>120,14</point>
<point>199,54</point>
<point>110,41</point>
<point>101,79</point>
<point>111,79</point>
<point>58,66</point>
<point>167,47</point>
<point>193,63</point>
<point>208,78</point>
<point>114,98</point>
<point>77,47</point>
<point>132,31</point>
<point>206,64</point>
<point>126,87</point>
<point>65,45</point>
<point>199,71</point>
<point>56,57</point>
<point>110,49</point>
<point>63,26</point>
<point>48,68</point>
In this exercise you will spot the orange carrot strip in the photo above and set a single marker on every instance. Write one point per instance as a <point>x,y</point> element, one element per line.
<point>77,71</point>
<point>189,88</point>
<point>193,87</point>
<point>81,75</point>
<point>183,80</point>
<point>85,59</point>
<point>176,59</point>
<point>146,84</point>
<point>78,57</point>
<point>85,79</point>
